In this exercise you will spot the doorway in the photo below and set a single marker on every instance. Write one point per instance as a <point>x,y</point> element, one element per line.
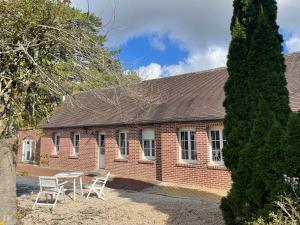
<point>28,147</point>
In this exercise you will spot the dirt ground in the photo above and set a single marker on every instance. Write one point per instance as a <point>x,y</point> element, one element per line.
<point>124,207</point>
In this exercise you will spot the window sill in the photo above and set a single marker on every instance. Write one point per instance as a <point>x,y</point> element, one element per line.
<point>121,160</point>
<point>146,161</point>
<point>187,165</point>
<point>216,167</point>
<point>54,156</point>
<point>73,157</point>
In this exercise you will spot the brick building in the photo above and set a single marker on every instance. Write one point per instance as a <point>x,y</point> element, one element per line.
<point>174,133</point>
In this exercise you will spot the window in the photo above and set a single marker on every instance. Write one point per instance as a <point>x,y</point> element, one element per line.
<point>148,144</point>
<point>187,140</point>
<point>56,143</point>
<point>123,144</point>
<point>217,142</point>
<point>101,143</point>
<point>76,143</point>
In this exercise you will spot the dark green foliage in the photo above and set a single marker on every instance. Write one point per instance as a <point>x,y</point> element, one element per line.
<point>266,70</point>
<point>292,165</point>
<point>257,107</point>
<point>236,124</point>
<point>270,162</point>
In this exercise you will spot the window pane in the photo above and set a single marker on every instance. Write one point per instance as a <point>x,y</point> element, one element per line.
<point>57,143</point>
<point>102,140</point>
<point>213,137</point>
<point>192,135</point>
<point>184,145</point>
<point>216,145</point>
<point>153,148</point>
<point>193,155</point>
<point>77,143</point>
<point>217,135</point>
<point>181,136</point>
<point>216,155</point>
<point>102,144</point>
<point>185,154</point>
<point>146,147</point>
<point>127,147</point>
<point>123,145</point>
<point>122,136</point>
<point>224,139</point>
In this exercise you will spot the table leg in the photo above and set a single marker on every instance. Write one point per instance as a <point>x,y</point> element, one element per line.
<point>80,180</point>
<point>74,187</point>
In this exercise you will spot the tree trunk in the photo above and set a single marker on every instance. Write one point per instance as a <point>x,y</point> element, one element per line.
<point>8,207</point>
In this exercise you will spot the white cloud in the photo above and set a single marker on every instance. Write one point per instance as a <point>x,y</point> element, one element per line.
<point>293,44</point>
<point>152,71</point>
<point>289,16</point>
<point>197,61</point>
<point>157,43</point>
<point>194,25</point>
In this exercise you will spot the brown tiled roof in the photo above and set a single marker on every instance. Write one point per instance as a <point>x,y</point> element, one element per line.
<point>187,97</point>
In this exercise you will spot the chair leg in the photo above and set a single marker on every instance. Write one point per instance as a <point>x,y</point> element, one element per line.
<point>36,200</point>
<point>57,197</point>
<point>92,187</point>
<point>101,192</point>
<point>64,193</point>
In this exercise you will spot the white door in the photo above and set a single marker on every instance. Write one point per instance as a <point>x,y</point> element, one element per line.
<point>101,141</point>
<point>27,149</point>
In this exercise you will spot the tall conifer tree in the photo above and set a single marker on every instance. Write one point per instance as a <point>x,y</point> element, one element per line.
<point>264,100</point>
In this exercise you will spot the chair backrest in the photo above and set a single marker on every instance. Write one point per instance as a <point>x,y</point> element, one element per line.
<point>48,183</point>
<point>101,179</point>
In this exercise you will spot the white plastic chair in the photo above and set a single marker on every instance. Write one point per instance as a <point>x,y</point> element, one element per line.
<point>50,186</point>
<point>98,186</point>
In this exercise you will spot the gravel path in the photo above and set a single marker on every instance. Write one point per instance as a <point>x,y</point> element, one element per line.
<point>123,207</point>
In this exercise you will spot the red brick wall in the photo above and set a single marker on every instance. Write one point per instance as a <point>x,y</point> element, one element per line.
<point>165,167</point>
<point>85,161</point>
<point>201,173</point>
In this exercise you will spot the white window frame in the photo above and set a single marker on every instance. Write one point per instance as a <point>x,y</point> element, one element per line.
<point>55,143</point>
<point>189,160</point>
<point>74,142</point>
<point>221,130</point>
<point>151,144</point>
<point>126,144</point>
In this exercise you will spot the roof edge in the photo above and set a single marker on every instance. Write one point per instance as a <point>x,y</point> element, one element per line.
<point>141,122</point>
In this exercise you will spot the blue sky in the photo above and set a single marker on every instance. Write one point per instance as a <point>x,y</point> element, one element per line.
<point>166,37</point>
<point>141,51</point>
